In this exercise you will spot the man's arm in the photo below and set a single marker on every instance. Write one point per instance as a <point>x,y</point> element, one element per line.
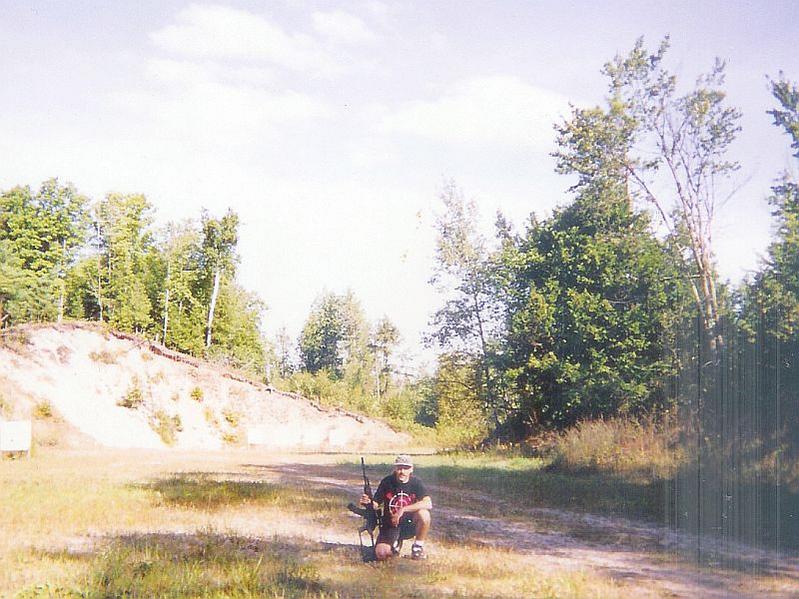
<point>425,503</point>
<point>377,496</point>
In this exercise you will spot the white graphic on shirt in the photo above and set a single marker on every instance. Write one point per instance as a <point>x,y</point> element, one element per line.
<point>399,500</point>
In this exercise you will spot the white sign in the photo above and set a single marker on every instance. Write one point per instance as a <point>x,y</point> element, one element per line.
<point>15,435</point>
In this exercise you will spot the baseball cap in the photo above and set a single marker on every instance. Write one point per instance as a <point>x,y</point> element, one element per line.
<point>403,460</point>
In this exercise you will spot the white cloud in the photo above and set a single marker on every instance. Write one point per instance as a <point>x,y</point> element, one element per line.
<point>489,110</point>
<point>342,28</point>
<point>201,102</point>
<point>220,32</point>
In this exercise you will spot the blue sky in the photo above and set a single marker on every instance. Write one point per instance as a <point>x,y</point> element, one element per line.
<point>330,126</point>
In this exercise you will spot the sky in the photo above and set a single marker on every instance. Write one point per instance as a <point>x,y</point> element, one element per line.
<point>331,127</point>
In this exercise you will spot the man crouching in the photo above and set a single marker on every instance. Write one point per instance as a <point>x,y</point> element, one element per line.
<point>406,511</point>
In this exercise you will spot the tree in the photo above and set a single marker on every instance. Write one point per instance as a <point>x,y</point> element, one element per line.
<point>459,410</point>
<point>675,158</point>
<point>469,320</point>
<point>181,307</point>
<point>125,243</point>
<point>384,339</point>
<point>590,303</point>
<point>11,276</point>
<point>44,231</point>
<point>220,237</point>
<point>333,335</point>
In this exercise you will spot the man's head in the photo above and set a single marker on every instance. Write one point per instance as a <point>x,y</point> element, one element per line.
<point>403,468</point>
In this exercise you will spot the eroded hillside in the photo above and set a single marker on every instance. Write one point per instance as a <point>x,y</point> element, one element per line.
<point>122,391</point>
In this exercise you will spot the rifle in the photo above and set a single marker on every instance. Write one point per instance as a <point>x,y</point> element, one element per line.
<point>370,516</point>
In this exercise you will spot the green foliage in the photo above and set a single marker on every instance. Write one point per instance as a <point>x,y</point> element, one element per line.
<point>674,158</point>
<point>591,295</point>
<point>206,565</point>
<point>166,426</point>
<point>643,448</point>
<point>232,417</point>
<point>134,397</point>
<point>470,321</point>
<point>460,412</point>
<point>334,334</point>
<point>40,234</point>
<point>125,242</point>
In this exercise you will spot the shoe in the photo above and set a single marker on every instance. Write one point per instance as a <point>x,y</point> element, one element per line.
<point>417,552</point>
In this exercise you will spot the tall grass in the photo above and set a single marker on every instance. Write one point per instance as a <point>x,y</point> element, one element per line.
<point>646,448</point>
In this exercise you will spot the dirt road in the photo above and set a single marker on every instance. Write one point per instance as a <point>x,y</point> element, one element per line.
<point>649,560</point>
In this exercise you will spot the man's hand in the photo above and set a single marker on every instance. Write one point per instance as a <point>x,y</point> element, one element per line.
<point>396,516</point>
<point>364,500</point>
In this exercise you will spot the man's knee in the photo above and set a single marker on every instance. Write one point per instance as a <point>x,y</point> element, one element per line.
<point>383,551</point>
<point>422,517</point>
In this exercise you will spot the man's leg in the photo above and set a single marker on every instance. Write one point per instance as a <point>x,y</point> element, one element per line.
<point>422,521</point>
<point>385,541</point>
<point>383,551</point>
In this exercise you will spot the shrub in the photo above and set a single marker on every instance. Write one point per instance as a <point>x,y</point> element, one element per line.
<point>104,357</point>
<point>230,438</point>
<point>166,426</point>
<point>231,417</point>
<point>196,394</point>
<point>5,407</point>
<point>210,417</point>
<point>43,410</point>
<point>647,447</point>
<point>134,397</point>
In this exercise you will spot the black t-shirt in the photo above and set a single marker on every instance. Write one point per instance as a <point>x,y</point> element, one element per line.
<point>393,495</point>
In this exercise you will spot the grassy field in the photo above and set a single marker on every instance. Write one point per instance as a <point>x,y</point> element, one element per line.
<point>140,524</point>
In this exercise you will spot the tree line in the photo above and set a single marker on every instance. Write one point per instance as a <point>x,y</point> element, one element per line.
<point>64,256</point>
<point>584,314</point>
<point>574,316</point>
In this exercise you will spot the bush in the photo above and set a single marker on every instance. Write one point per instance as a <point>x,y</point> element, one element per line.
<point>134,397</point>
<point>231,417</point>
<point>166,426</point>
<point>104,357</point>
<point>6,408</point>
<point>230,438</point>
<point>196,394</point>
<point>646,447</point>
<point>43,410</point>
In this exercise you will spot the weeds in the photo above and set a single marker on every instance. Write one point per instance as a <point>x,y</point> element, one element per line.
<point>167,426</point>
<point>133,397</point>
<point>6,409</point>
<point>645,449</point>
<point>42,410</point>
<point>231,417</point>
<point>104,357</point>
<point>231,438</point>
<point>196,394</point>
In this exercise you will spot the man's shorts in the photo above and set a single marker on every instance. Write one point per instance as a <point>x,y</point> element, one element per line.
<point>391,534</point>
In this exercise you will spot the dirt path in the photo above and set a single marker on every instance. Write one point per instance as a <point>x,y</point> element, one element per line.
<point>650,560</point>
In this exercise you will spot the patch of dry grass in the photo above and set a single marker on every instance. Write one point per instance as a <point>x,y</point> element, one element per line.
<point>113,524</point>
<point>645,447</point>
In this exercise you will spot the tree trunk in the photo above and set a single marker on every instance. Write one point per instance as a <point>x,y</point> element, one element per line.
<point>60,300</point>
<point>100,286</point>
<point>166,314</point>
<point>61,283</point>
<point>214,294</point>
